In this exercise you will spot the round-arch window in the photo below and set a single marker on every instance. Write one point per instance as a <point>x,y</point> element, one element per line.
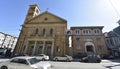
<point>68,32</point>
<point>77,31</point>
<point>46,19</point>
<point>96,31</point>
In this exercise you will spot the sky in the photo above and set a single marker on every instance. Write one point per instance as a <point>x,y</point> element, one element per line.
<point>77,13</point>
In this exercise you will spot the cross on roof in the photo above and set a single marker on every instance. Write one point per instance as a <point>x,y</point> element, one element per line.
<point>47,9</point>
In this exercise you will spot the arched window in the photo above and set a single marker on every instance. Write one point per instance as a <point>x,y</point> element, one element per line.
<point>51,31</point>
<point>69,32</point>
<point>36,31</point>
<point>77,31</point>
<point>86,31</point>
<point>43,32</point>
<point>97,31</point>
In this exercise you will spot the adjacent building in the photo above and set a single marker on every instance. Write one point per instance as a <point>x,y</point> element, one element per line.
<point>7,41</point>
<point>42,33</point>
<point>117,30</point>
<point>88,40</point>
<point>2,38</point>
<point>113,43</point>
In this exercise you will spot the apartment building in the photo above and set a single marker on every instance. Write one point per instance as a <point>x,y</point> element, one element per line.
<point>7,41</point>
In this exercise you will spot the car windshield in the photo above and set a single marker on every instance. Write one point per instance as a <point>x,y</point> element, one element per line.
<point>33,60</point>
<point>40,55</point>
<point>93,56</point>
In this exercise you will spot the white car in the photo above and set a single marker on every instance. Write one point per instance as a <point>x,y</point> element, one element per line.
<point>42,57</point>
<point>63,58</point>
<point>24,62</point>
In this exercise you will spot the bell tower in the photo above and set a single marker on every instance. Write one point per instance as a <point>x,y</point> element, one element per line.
<point>33,11</point>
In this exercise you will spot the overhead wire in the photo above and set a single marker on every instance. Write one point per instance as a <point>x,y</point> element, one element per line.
<point>118,1</point>
<point>115,9</point>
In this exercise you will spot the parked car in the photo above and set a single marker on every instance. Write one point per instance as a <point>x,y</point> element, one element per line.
<point>80,55</point>
<point>42,57</point>
<point>91,59</point>
<point>24,62</point>
<point>109,57</point>
<point>17,55</point>
<point>63,58</point>
<point>2,51</point>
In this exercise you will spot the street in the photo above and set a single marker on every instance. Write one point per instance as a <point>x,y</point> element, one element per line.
<point>76,65</point>
<point>105,64</point>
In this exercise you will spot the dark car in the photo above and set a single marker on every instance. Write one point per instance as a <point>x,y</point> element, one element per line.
<point>80,55</point>
<point>109,57</point>
<point>2,51</point>
<point>91,59</point>
<point>16,55</point>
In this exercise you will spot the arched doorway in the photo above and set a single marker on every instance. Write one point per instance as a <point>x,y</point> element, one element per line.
<point>89,48</point>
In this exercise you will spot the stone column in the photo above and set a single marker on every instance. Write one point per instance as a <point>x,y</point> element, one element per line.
<point>52,49</point>
<point>26,46</point>
<point>43,48</point>
<point>34,48</point>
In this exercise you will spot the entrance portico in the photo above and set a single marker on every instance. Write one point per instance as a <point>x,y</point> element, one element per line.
<point>89,48</point>
<point>35,47</point>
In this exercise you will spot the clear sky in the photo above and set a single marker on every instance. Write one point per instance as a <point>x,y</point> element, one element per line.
<point>76,12</point>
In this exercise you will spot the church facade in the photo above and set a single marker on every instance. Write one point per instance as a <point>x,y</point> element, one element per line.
<point>42,33</point>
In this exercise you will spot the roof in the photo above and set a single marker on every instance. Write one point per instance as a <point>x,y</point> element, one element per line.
<point>35,6</point>
<point>101,27</point>
<point>112,34</point>
<point>117,30</point>
<point>46,12</point>
<point>24,57</point>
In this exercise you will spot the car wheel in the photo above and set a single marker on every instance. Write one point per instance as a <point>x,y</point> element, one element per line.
<point>4,67</point>
<point>80,60</point>
<point>67,60</point>
<point>56,59</point>
<point>98,61</point>
<point>85,60</point>
<point>43,59</point>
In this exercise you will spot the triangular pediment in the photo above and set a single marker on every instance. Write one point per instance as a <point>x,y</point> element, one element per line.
<point>47,17</point>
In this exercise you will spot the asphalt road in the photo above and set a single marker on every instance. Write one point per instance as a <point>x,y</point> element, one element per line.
<point>105,64</point>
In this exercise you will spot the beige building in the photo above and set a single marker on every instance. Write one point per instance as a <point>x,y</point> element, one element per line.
<point>42,33</point>
<point>88,40</point>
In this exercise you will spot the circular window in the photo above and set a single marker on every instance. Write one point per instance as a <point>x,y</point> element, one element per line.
<point>46,19</point>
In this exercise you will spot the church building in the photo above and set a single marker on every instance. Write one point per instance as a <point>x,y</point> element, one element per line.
<point>42,33</point>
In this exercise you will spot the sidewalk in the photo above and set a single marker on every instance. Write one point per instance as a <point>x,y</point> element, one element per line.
<point>115,60</point>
